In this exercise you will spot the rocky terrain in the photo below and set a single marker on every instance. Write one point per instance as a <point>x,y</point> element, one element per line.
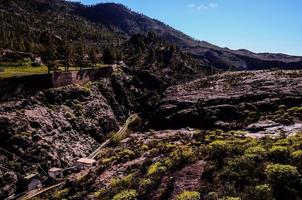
<point>167,156</point>
<point>214,138</point>
<point>57,126</point>
<point>230,100</point>
<point>170,121</point>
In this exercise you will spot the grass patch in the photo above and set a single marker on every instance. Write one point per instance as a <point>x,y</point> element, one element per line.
<point>22,71</point>
<point>25,69</point>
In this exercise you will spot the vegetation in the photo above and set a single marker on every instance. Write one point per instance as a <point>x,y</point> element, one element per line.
<point>188,195</point>
<point>22,71</point>
<point>126,195</point>
<point>236,167</point>
<point>67,37</point>
<point>254,168</point>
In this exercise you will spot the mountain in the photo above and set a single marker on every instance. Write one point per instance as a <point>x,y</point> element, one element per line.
<point>33,25</point>
<point>121,18</point>
<point>154,133</point>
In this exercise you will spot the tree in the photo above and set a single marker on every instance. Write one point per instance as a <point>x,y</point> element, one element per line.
<point>80,56</point>
<point>92,55</point>
<point>108,56</point>
<point>67,53</point>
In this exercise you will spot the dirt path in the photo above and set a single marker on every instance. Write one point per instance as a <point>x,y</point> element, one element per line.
<point>188,178</point>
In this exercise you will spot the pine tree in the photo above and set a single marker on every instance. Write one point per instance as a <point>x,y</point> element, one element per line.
<point>93,57</point>
<point>108,56</point>
<point>66,53</point>
<point>80,56</point>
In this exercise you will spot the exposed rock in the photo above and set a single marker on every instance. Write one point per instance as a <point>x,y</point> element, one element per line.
<point>227,100</point>
<point>55,127</point>
<point>7,184</point>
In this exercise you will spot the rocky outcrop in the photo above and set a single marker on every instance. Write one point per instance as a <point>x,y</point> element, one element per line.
<point>229,100</point>
<point>54,127</point>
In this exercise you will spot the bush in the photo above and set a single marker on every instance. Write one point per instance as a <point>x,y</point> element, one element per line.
<point>126,195</point>
<point>144,184</point>
<point>279,154</point>
<point>280,175</point>
<point>127,153</point>
<point>182,155</point>
<point>61,193</point>
<point>156,168</point>
<point>296,158</point>
<point>231,198</point>
<point>256,153</point>
<point>119,184</point>
<point>238,171</point>
<point>218,150</point>
<point>108,161</point>
<point>263,192</point>
<point>285,180</point>
<point>188,195</point>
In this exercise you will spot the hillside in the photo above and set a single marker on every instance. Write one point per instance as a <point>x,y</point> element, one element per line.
<point>151,115</point>
<point>194,137</point>
<point>26,27</point>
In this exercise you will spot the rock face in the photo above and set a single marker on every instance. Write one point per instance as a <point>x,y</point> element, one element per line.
<point>53,128</point>
<point>229,100</point>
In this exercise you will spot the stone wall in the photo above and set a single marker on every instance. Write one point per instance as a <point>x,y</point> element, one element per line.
<point>15,86</point>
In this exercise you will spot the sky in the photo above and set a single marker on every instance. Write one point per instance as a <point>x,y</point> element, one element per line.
<point>257,25</point>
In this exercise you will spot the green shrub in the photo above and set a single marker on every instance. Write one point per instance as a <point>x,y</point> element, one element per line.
<point>218,150</point>
<point>231,198</point>
<point>280,175</point>
<point>256,153</point>
<point>108,161</point>
<point>296,158</point>
<point>279,154</point>
<point>182,155</point>
<point>168,162</point>
<point>156,168</point>
<point>295,111</point>
<point>70,116</point>
<point>285,180</point>
<point>61,193</point>
<point>297,155</point>
<point>116,139</point>
<point>263,192</point>
<point>127,153</point>
<point>212,196</point>
<point>119,184</point>
<point>188,195</point>
<point>144,147</point>
<point>144,184</point>
<point>126,195</point>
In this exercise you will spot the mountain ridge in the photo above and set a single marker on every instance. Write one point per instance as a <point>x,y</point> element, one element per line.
<point>111,24</point>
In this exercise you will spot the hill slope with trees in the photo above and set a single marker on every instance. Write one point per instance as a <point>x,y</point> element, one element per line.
<point>44,27</point>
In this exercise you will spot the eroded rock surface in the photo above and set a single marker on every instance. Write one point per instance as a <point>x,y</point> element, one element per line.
<point>55,127</point>
<point>229,100</point>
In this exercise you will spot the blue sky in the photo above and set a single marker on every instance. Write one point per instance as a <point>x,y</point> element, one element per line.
<point>256,25</point>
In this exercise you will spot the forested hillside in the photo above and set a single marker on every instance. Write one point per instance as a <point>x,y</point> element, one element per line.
<point>59,28</point>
